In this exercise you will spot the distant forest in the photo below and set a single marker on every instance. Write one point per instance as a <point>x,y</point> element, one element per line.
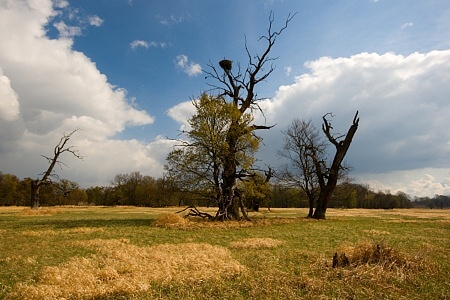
<point>140,190</point>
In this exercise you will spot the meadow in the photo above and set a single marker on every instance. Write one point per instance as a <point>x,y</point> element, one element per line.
<point>152,253</point>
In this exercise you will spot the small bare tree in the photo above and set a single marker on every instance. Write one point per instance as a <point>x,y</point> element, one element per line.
<point>303,145</point>
<point>59,149</point>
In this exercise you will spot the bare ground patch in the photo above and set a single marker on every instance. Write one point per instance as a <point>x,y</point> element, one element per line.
<point>120,268</point>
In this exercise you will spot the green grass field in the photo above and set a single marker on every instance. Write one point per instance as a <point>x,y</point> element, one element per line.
<point>148,253</point>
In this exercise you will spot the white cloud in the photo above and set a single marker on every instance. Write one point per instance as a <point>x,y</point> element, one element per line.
<point>67,32</point>
<point>288,70</point>
<point>60,3</point>
<point>57,90</point>
<point>171,20</point>
<point>138,43</point>
<point>188,67</point>
<point>181,113</point>
<point>419,183</point>
<point>406,25</point>
<point>141,43</point>
<point>402,102</point>
<point>95,21</point>
<point>9,102</point>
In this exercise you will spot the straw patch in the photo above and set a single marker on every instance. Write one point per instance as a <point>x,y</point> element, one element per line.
<point>122,269</point>
<point>171,220</point>
<point>39,212</point>
<point>256,243</point>
<point>51,232</point>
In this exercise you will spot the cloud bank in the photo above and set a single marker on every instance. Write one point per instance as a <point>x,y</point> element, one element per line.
<point>48,89</point>
<point>403,105</point>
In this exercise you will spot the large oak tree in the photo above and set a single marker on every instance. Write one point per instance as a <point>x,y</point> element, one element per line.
<point>227,156</point>
<point>239,88</point>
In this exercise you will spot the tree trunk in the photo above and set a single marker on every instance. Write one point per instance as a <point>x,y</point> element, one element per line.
<point>35,186</point>
<point>230,204</point>
<point>311,208</point>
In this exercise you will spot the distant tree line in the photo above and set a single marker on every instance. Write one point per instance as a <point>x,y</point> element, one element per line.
<point>438,201</point>
<point>141,190</point>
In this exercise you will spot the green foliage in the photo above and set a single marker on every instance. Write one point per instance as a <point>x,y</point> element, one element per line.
<point>257,190</point>
<point>197,164</point>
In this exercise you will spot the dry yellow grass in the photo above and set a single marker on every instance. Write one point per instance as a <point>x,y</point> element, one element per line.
<point>379,267</point>
<point>51,232</point>
<point>375,232</point>
<point>256,243</point>
<point>39,212</point>
<point>120,268</point>
<point>171,220</point>
<point>379,255</point>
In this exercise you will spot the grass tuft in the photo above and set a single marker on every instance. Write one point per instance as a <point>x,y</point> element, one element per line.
<point>373,253</point>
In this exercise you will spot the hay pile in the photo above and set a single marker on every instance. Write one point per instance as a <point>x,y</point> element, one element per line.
<point>119,268</point>
<point>171,220</point>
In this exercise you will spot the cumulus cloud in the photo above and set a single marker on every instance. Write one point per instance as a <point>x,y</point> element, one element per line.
<point>9,102</point>
<point>188,67</point>
<point>419,183</point>
<point>49,89</point>
<point>181,113</point>
<point>402,102</point>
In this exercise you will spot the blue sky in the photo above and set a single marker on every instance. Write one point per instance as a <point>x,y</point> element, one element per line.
<point>124,72</point>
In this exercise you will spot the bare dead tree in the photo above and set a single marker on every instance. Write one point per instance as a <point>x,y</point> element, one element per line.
<point>59,149</point>
<point>239,87</point>
<point>302,146</point>
<point>328,178</point>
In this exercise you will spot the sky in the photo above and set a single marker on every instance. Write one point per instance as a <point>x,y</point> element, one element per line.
<point>124,73</point>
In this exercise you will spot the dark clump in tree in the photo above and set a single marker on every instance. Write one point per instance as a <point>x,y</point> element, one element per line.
<point>59,149</point>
